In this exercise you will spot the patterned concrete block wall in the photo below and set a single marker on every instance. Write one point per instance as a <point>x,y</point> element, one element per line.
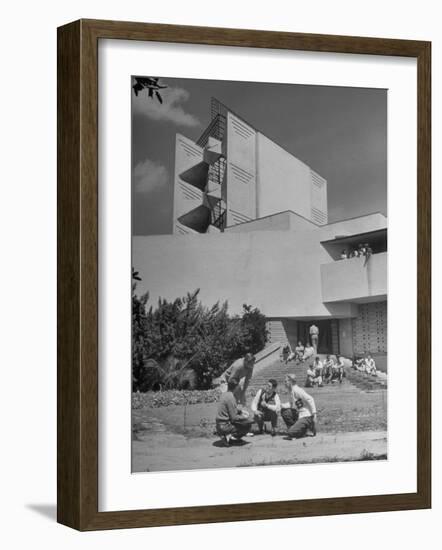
<point>370,328</point>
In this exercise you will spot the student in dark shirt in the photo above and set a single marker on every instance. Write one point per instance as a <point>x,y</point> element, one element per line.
<point>232,422</point>
<point>242,370</point>
<point>266,406</point>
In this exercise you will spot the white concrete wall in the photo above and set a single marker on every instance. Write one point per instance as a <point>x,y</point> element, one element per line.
<point>276,222</point>
<point>241,171</point>
<point>283,180</point>
<point>277,271</point>
<point>354,278</point>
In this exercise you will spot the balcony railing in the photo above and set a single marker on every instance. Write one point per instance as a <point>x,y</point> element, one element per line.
<point>354,279</point>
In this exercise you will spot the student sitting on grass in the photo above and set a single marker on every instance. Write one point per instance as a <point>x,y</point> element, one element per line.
<point>232,422</point>
<point>266,406</point>
<point>299,413</point>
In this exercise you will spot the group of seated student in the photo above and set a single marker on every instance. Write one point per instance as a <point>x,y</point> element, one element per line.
<point>233,422</point>
<point>362,250</point>
<point>301,353</point>
<point>365,364</point>
<point>327,372</point>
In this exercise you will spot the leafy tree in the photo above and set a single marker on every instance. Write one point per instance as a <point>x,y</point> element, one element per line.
<point>184,343</point>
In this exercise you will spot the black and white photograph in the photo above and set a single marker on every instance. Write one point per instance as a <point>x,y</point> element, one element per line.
<point>259,274</point>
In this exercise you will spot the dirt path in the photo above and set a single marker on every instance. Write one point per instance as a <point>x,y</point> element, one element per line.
<point>156,449</point>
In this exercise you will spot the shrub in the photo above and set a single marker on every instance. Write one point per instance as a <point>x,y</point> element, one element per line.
<point>183,344</point>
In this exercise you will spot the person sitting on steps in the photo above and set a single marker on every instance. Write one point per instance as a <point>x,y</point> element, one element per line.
<point>299,352</point>
<point>318,368</point>
<point>310,379</point>
<point>309,351</point>
<point>370,366</point>
<point>328,369</point>
<point>285,355</point>
<point>338,372</point>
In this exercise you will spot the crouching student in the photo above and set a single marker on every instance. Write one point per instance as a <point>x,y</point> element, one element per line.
<point>266,406</point>
<point>232,423</point>
<point>299,413</point>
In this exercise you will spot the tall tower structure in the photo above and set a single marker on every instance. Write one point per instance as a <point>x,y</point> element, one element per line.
<point>234,174</point>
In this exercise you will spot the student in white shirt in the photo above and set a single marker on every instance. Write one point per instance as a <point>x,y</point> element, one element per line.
<point>309,351</point>
<point>338,370</point>
<point>314,336</point>
<point>370,365</point>
<point>310,377</point>
<point>266,406</point>
<point>299,413</point>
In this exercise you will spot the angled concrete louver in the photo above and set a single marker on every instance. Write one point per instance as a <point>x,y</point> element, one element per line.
<point>197,219</point>
<point>206,175</point>
<point>197,175</point>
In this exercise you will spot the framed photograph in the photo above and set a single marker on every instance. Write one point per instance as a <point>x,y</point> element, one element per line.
<point>243,275</point>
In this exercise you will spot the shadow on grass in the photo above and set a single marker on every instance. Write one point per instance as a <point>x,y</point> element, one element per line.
<point>233,443</point>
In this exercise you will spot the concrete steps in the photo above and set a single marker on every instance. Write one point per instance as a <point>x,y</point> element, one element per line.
<point>354,381</point>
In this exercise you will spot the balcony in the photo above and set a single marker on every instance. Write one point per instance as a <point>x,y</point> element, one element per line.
<point>355,279</point>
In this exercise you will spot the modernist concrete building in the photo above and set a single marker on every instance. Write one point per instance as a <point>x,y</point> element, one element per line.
<point>235,174</point>
<point>251,226</point>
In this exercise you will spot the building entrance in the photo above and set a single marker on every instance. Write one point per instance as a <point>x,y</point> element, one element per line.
<point>325,341</point>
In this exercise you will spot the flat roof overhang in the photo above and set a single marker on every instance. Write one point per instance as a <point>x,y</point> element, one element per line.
<point>366,237</point>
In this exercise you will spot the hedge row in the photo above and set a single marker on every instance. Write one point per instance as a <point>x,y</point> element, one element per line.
<point>152,399</point>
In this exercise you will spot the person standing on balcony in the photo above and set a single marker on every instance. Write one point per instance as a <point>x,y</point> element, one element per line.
<point>314,336</point>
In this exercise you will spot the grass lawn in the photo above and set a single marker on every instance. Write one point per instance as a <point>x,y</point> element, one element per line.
<point>338,411</point>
